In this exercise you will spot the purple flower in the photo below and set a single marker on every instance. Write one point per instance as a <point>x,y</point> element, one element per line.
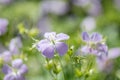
<point>5,1</point>
<point>6,56</point>
<point>44,25</point>
<point>88,24</point>
<point>15,45</point>
<point>94,44</point>
<point>92,7</point>
<point>54,7</point>
<point>117,4</point>
<point>16,71</point>
<point>52,43</point>
<point>3,26</point>
<point>105,62</point>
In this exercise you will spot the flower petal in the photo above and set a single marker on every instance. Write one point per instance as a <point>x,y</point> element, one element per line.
<point>42,45</point>
<point>49,51</point>
<point>61,48</point>
<point>23,69</point>
<point>20,77</point>
<point>104,65</point>
<point>49,34</point>
<point>85,49</point>
<point>85,36</point>
<point>62,36</point>
<point>114,53</point>
<point>96,37</point>
<point>102,47</point>
<point>7,56</point>
<point>3,26</point>
<point>10,77</point>
<point>17,63</point>
<point>6,69</point>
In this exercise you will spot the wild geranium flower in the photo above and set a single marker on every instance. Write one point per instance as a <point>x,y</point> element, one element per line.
<point>16,71</point>
<point>3,26</point>
<point>94,44</point>
<point>105,63</point>
<point>51,43</point>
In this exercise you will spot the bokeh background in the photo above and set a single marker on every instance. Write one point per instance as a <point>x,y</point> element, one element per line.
<point>30,19</point>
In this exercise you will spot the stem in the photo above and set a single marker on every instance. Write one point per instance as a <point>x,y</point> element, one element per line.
<point>54,77</point>
<point>62,68</point>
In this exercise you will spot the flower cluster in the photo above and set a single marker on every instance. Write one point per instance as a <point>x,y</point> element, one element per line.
<point>105,64</point>
<point>16,71</point>
<point>52,43</point>
<point>14,46</point>
<point>94,44</point>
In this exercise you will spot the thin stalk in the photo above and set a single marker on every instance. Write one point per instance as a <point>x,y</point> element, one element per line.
<point>62,68</point>
<point>54,77</point>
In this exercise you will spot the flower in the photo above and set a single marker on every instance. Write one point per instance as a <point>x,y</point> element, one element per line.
<point>52,43</point>
<point>92,7</point>
<point>16,71</point>
<point>3,26</point>
<point>14,45</point>
<point>44,25</point>
<point>105,62</point>
<point>5,1</point>
<point>6,56</point>
<point>55,7</point>
<point>94,44</point>
<point>88,24</point>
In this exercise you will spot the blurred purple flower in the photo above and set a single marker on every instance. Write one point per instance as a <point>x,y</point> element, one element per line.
<point>44,25</point>
<point>54,7</point>
<point>52,43</point>
<point>88,24</point>
<point>105,63</point>
<point>6,56</point>
<point>16,71</point>
<point>15,45</point>
<point>117,4</point>
<point>94,44</point>
<point>92,7</point>
<point>5,1</point>
<point>3,26</point>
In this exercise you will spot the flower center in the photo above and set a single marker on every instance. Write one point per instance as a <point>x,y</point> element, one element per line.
<point>52,38</point>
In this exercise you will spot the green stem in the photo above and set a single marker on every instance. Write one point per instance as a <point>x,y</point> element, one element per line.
<point>62,68</point>
<point>53,76</point>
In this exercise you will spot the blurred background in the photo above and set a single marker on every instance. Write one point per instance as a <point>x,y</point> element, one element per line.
<point>29,19</point>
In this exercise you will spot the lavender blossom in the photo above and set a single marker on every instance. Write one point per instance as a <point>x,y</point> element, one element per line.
<point>3,26</point>
<point>92,7</point>
<point>88,24</point>
<point>6,56</point>
<point>16,71</point>
<point>94,44</point>
<point>44,25</point>
<point>117,4</point>
<point>105,63</point>
<point>15,45</point>
<point>54,7</point>
<point>52,43</point>
<point>5,1</point>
